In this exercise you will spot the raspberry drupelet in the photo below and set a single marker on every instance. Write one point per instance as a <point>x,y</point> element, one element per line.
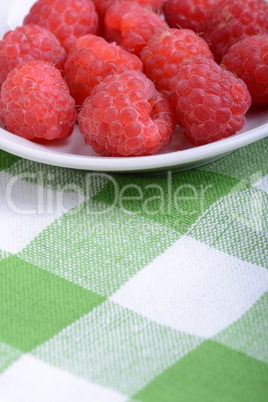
<point>231,21</point>
<point>91,60</point>
<point>190,14</point>
<point>28,43</point>
<point>248,59</point>
<point>67,19</point>
<point>131,25</point>
<point>126,116</point>
<point>35,102</point>
<point>210,102</point>
<point>166,51</point>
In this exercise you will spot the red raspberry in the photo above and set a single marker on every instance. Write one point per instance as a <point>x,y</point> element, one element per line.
<point>103,5</point>
<point>126,116</point>
<point>28,43</point>
<point>67,19</point>
<point>231,21</point>
<point>248,59</point>
<point>166,51</point>
<point>131,25</point>
<point>35,102</point>
<point>210,102</point>
<point>190,14</point>
<point>154,5</point>
<point>91,60</point>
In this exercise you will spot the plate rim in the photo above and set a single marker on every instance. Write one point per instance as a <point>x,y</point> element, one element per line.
<point>127,164</point>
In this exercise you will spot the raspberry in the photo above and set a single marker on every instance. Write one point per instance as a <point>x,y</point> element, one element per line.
<point>131,25</point>
<point>190,14</point>
<point>230,22</point>
<point>166,51</point>
<point>154,5</point>
<point>126,116</point>
<point>103,5</point>
<point>210,102</point>
<point>35,102</point>
<point>28,43</point>
<point>248,59</point>
<point>67,19</point>
<point>91,60</point>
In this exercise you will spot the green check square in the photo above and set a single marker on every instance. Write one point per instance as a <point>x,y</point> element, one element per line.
<point>6,160</point>
<point>210,373</point>
<point>175,200</point>
<point>35,304</point>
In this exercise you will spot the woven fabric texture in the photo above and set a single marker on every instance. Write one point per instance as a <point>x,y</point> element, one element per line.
<point>135,288</point>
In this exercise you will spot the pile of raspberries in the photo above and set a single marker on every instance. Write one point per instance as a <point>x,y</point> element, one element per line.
<point>130,71</point>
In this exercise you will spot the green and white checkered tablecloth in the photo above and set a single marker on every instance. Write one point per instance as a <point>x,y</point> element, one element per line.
<point>135,288</point>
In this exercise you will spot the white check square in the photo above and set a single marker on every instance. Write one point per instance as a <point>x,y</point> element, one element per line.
<point>32,380</point>
<point>185,290</point>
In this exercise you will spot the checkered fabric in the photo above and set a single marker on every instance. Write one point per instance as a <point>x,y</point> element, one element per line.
<point>142,288</point>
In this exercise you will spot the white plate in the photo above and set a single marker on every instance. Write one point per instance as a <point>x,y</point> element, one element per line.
<point>73,153</point>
